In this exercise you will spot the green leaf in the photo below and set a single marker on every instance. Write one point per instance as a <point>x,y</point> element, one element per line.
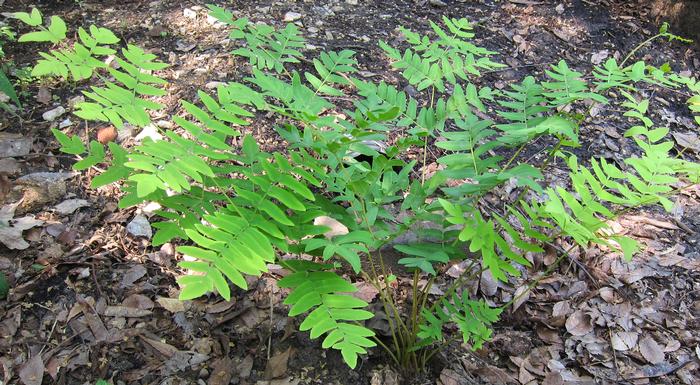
<point>69,145</point>
<point>7,88</point>
<point>628,245</point>
<point>33,19</point>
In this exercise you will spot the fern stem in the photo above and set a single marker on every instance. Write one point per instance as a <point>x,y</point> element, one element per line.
<point>640,45</point>
<point>425,140</point>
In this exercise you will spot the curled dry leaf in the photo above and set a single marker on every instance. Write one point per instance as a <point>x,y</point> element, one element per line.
<point>651,350</point>
<point>11,229</point>
<point>624,341</point>
<point>579,323</point>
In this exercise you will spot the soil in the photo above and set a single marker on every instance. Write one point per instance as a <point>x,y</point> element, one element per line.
<point>67,286</point>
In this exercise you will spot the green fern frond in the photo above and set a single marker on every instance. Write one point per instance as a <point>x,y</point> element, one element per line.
<point>335,315</point>
<point>567,86</point>
<point>473,318</point>
<point>333,69</point>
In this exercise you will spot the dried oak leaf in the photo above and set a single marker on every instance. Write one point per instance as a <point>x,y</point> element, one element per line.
<point>11,233</point>
<point>623,341</point>
<point>579,323</point>
<point>651,350</point>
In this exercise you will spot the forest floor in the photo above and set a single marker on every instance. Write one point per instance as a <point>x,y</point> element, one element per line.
<point>90,300</point>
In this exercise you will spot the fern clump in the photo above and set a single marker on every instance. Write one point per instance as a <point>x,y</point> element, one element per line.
<point>234,208</point>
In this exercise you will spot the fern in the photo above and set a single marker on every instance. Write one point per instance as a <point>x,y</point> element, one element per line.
<point>235,207</point>
<point>567,86</point>
<point>333,69</point>
<point>54,32</point>
<point>265,47</point>
<point>334,315</point>
<point>114,103</point>
<point>448,58</point>
<point>473,318</point>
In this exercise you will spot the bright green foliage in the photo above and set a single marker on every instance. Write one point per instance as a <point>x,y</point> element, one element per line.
<point>450,57</point>
<point>334,315</point>
<point>126,92</point>
<point>7,88</point>
<point>332,68</point>
<point>236,208</point>
<point>55,32</point>
<point>472,317</point>
<point>82,59</point>
<point>266,48</point>
<point>116,103</point>
<point>567,86</point>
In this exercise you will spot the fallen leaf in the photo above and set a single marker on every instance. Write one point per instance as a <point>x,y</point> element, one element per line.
<point>488,285</point>
<point>32,373</point>
<point>335,227</point>
<point>688,140</point>
<point>599,56</point>
<point>449,377</point>
<point>277,365</point>
<point>245,367</point>
<point>69,206</point>
<point>365,291</point>
<point>522,295</point>
<point>651,351</point>
<point>123,311</point>
<point>138,301</point>
<point>132,275</point>
<point>11,229</point>
<point>579,323</point>
<point>44,95</point>
<point>172,305</point>
<point>163,348</point>
<point>623,341</point>
<point>221,372</point>
<point>553,378</point>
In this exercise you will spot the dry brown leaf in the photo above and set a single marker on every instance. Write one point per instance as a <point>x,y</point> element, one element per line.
<point>32,373</point>
<point>335,227</point>
<point>123,311</point>
<point>651,351</point>
<point>624,341</point>
<point>365,291</point>
<point>488,285</point>
<point>524,376</point>
<point>449,377</point>
<point>163,348</point>
<point>132,275</point>
<point>11,229</point>
<point>172,305</point>
<point>579,323</point>
<point>277,365</point>
<point>44,95</point>
<point>688,140</point>
<point>245,367</point>
<point>219,307</point>
<point>221,372</point>
<point>138,301</point>
<point>522,295</point>
<point>553,378</point>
